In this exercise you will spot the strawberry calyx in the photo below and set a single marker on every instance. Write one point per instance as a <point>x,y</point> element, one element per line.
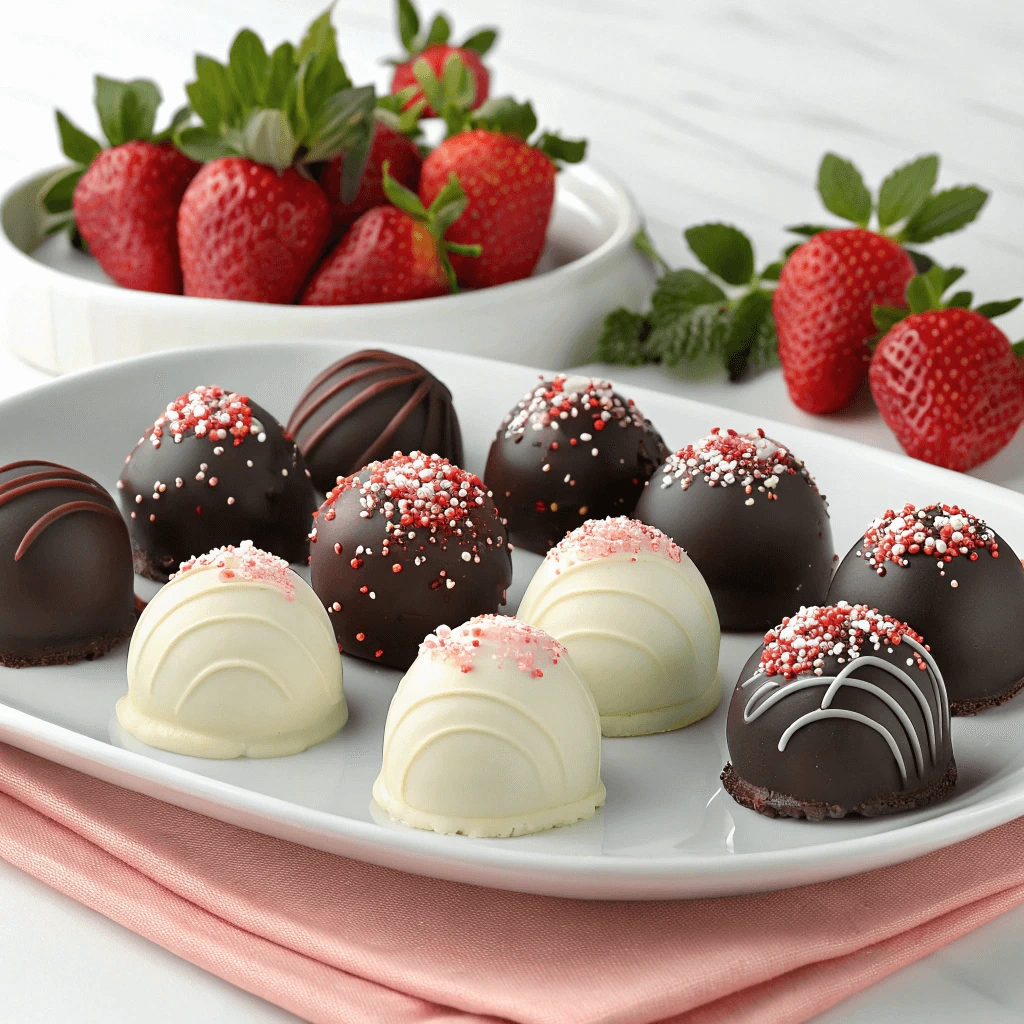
<point>127,113</point>
<point>448,206</point>
<point>391,111</point>
<point>907,208</point>
<point>925,292</point>
<point>439,33</point>
<point>290,108</point>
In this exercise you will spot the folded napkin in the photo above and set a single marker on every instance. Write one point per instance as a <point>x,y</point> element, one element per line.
<point>335,940</point>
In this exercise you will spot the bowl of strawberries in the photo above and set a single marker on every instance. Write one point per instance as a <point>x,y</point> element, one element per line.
<point>286,201</point>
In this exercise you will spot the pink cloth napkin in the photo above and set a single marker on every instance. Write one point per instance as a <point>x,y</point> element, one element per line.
<point>335,940</point>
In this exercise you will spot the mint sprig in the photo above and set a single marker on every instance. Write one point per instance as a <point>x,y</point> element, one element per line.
<point>692,315</point>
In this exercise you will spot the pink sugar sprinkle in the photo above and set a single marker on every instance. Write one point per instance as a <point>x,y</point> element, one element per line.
<point>941,532</point>
<point>245,562</point>
<point>207,411</point>
<point>501,638</point>
<point>599,538</point>
<point>801,643</point>
<point>727,457</point>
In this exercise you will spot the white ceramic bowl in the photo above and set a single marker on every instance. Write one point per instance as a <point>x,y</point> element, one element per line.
<point>63,313</point>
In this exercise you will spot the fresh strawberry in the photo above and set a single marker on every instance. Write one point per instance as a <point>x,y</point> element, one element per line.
<point>393,253</point>
<point>433,48</point>
<point>123,200</point>
<point>946,379</point>
<point>249,232</point>
<point>510,184</point>
<point>389,146</point>
<point>253,223</point>
<point>823,302</point>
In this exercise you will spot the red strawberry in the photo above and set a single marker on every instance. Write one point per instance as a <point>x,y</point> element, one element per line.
<point>249,232</point>
<point>123,200</point>
<point>822,310</point>
<point>389,146</point>
<point>946,379</point>
<point>392,253</point>
<point>126,208</point>
<point>433,48</point>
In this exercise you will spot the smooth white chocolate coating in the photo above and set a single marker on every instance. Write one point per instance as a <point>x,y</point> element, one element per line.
<point>492,749</point>
<point>227,667</point>
<point>640,626</point>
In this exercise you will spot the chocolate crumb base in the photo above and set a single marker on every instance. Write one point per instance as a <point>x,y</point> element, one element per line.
<point>144,566</point>
<point>964,708</point>
<point>89,651</point>
<point>779,805</point>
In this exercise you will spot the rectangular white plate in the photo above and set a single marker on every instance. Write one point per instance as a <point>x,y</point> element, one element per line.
<point>668,829</point>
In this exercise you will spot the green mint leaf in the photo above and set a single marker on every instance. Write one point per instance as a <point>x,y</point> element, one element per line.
<point>944,212</point>
<point>622,337</point>
<point>562,151</point>
<point>480,42</point>
<point>998,308</point>
<point>772,272</point>
<point>405,199</point>
<point>764,350</point>
<point>679,291</point>
<point>919,296</point>
<point>440,31</point>
<point>961,300</point>
<point>887,317</point>
<point>724,250</point>
<point>643,244</point>
<point>59,190</point>
<point>202,145</point>
<point>408,25</point>
<point>77,146</point>
<point>905,191</point>
<point>843,191</point>
<point>808,230</point>
<point>744,323</point>
<point>699,333</point>
<point>249,66</point>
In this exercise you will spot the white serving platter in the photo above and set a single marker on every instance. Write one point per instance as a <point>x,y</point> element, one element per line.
<point>63,313</point>
<point>667,830</point>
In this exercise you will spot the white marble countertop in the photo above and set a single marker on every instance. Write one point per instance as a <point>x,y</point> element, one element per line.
<point>709,110</point>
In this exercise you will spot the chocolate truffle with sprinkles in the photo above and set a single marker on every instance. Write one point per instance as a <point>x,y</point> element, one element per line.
<point>402,547</point>
<point>571,450</point>
<point>66,580</point>
<point>214,469</point>
<point>953,578</point>
<point>749,515</point>
<point>842,711</point>
<point>368,405</point>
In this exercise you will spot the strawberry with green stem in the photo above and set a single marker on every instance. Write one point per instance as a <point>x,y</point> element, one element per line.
<point>510,180</point>
<point>122,199</point>
<point>822,305</point>
<point>253,223</point>
<point>432,47</point>
<point>946,380</point>
<point>394,253</point>
<point>693,316</point>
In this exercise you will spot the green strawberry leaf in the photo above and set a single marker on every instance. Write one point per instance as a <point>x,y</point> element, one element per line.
<point>622,338</point>
<point>324,74</point>
<point>505,115</point>
<point>77,146</point>
<point>249,66</point>
<point>408,25</point>
<point>808,230</point>
<point>919,295</point>
<point>279,77</point>
<point>268,139</point>
<point>843,191</point>
<point>944,212</point>
<point>463,250</point>
<point>440,31</point>
<point>790,249</point>
<point>405,199</point>
<point>345,124</point>
<point>480,42</point>
<point>448,206</point>
<point>562,151</point>
<point>724,250</point>
<point>59,189</point>
<point>429,83</point>
<point>179,120</point>
<point>906,190</point>
<point>457,82</point>
<point>887,317</point>
<point>643,244</point>
<point>935,281</point>
<point>772,272</point>
<point>960,300</point>
<point>922,262</point>
<point>998,308</point>
<point>950,276</point>
<point>202,145</point>
<point>127,110</point>
<point>1018,348</point>
<point>211,94</point>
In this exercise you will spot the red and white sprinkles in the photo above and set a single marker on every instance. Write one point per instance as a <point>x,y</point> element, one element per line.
<point>245,562</point>
<point>211,412</point>
<point>500,638</point>
<point>601,538</point>
<point>593,403</point>
<point>844,631</point>
<point>941,532</point>
<point>726,457</point>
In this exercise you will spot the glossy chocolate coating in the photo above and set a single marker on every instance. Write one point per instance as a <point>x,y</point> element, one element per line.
<point>837,763</point>
<point>66,580</point>
<point>443,577</point>
<point>972,629</point>
<point>761,561</point>
<point>269,502</point>
<point>548,478</point>
<point>366,407</point>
